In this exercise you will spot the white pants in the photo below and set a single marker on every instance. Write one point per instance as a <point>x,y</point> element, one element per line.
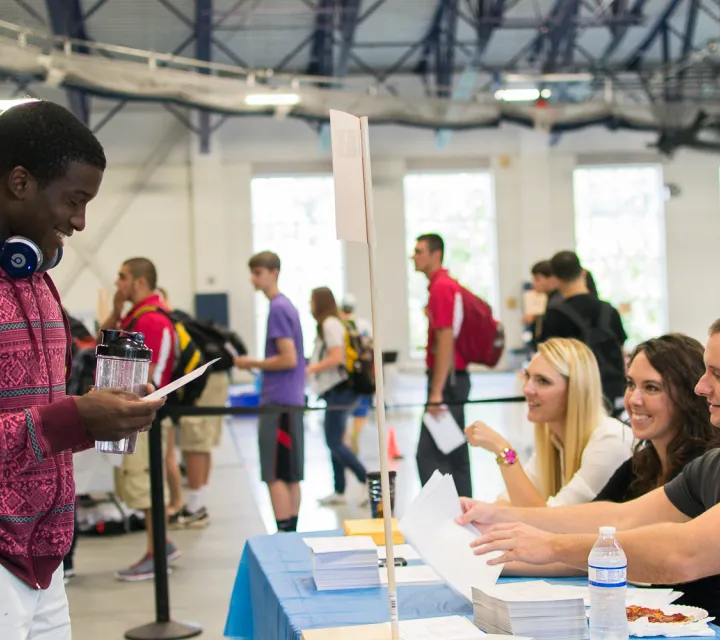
<point>30,614</point>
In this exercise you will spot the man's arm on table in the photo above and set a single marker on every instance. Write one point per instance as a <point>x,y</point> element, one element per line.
<point>649,509</point>
<point>674,551</point>
<point>668,553</point>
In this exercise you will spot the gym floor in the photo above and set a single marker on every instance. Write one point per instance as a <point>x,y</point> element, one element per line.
<point>202,580</point>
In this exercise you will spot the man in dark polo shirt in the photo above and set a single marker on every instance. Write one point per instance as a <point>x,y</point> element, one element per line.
<point>448,379</point>
<point>670,535</point>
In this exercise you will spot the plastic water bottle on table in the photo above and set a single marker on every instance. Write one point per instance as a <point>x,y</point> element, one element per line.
<point>607,581</point>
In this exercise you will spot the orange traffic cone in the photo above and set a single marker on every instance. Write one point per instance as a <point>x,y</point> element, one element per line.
<point>392,446</point>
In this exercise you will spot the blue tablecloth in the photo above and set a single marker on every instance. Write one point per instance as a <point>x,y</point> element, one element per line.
<point>275,598</point>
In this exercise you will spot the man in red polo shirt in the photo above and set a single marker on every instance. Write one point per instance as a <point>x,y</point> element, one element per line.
<point>448,379</point>
<point>137,283</point>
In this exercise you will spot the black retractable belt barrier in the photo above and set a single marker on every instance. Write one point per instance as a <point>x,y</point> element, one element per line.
<point>178,411</point>
<point>163,628</point>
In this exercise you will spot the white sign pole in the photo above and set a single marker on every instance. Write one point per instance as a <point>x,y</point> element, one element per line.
<point>353,199</point>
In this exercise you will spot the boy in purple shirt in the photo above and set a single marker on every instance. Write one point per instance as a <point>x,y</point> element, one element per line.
<point>280,433</point>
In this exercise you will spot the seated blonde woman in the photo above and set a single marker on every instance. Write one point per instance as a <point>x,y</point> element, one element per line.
<point>578,446</point>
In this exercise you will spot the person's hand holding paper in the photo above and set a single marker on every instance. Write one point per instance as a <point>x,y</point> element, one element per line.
<point>518,542</point>
<point>180,382</point>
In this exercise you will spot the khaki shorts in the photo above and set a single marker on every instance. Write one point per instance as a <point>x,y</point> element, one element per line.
<point>132,478</point>
<point>201,434</point>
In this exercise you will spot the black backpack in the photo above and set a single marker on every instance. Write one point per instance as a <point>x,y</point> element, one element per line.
<point>604,344</point>
<point>213,340</point>
<point>188,357</point>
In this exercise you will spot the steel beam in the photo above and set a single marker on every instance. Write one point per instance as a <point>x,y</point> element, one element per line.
<point>203,51</point>
<point>348,24</point>
<point>322,52</point>
<point>439,45</point>
<point>688,38</point>
<point>67,19</point>
<point>619,31</point>
<point>634,60</point>
<point>465,86</point>
<point>562,35</point>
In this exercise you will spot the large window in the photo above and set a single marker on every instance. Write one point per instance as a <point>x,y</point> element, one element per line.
<point>620,234</point>
<point>295,217</point>
<point>460,207</point>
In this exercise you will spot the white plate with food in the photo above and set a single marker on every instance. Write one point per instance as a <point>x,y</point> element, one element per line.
<point>669,620</point>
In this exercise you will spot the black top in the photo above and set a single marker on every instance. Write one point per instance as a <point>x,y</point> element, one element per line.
<point>557,325</point>
<point>606,341</point>
<point>693,490</point>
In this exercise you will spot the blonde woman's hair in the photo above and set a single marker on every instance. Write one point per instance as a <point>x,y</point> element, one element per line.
<point>584,412</point>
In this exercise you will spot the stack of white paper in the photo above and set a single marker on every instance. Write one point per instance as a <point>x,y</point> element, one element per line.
<point>520,609</point>
<point>344,563</point>
<point>429,525</point>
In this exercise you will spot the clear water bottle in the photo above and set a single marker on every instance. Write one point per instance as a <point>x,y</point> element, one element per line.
<point>123,362</point>
<point>607,579</point>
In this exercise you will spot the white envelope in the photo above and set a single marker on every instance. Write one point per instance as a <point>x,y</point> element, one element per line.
<point>444,431</point>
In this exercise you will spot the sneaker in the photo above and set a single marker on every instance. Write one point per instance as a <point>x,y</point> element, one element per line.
<point>68,575</point>
<point>194,520</point>
<point>174,520</point>
<point>145,568</point>
<point>142,570</point>
<point>173,553</point>
<point>334,499</point>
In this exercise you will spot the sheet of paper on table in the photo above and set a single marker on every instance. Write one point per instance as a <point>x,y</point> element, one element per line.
<point>340,543</point>
<point>444,431</point>
<point>446,628</point>
<point>401,551</point>
<point>429,526</point>
<point>420,574</point>
<point>541,589</point>
<point>180,382</point>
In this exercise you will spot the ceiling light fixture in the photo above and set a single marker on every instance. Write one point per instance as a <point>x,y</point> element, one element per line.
<point>271,99</point>
<point>517,95</point>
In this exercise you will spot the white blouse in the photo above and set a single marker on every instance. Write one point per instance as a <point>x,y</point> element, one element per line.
<point>609,446</point>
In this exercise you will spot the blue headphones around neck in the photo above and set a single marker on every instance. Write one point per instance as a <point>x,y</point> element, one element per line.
<point>20,257</point>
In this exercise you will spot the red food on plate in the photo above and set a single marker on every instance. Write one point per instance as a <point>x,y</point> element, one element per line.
<point>675,617</point>
<point>635,612</point>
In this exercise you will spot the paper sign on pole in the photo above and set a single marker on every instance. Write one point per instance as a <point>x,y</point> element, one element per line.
<point>347,159</point>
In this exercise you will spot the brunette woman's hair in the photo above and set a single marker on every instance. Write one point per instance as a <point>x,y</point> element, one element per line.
<point>679,361</point>
<point>325,306</point>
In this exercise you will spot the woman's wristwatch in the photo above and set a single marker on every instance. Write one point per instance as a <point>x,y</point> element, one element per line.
<point>508,456</point>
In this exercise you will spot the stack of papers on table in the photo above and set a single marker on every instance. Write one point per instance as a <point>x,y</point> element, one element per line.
<point>429,525</point>
<point>519,609</point>
<point>344,563</point>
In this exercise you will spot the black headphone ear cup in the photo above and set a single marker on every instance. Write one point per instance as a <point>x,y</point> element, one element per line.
<point>20,257</point>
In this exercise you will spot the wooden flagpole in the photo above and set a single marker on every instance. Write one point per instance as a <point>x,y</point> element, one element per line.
<point>379,378</point>
<point>355,220</point>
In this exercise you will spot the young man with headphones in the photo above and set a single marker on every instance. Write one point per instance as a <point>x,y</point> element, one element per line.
<point>51,167</point>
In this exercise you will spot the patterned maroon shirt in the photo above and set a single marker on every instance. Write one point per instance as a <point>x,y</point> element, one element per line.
<point>39,430</point>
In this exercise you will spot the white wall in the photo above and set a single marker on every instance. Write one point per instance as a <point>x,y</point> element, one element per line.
<point>191,213</point>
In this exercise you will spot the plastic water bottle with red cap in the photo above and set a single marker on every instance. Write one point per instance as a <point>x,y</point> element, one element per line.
<point>607,582</point>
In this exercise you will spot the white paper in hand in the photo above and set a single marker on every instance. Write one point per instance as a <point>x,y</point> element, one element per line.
<point>180,382</point>
<point>444,431</point>
<point>429,526</point>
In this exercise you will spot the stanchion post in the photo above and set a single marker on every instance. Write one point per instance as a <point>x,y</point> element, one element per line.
<point>163,628</point>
